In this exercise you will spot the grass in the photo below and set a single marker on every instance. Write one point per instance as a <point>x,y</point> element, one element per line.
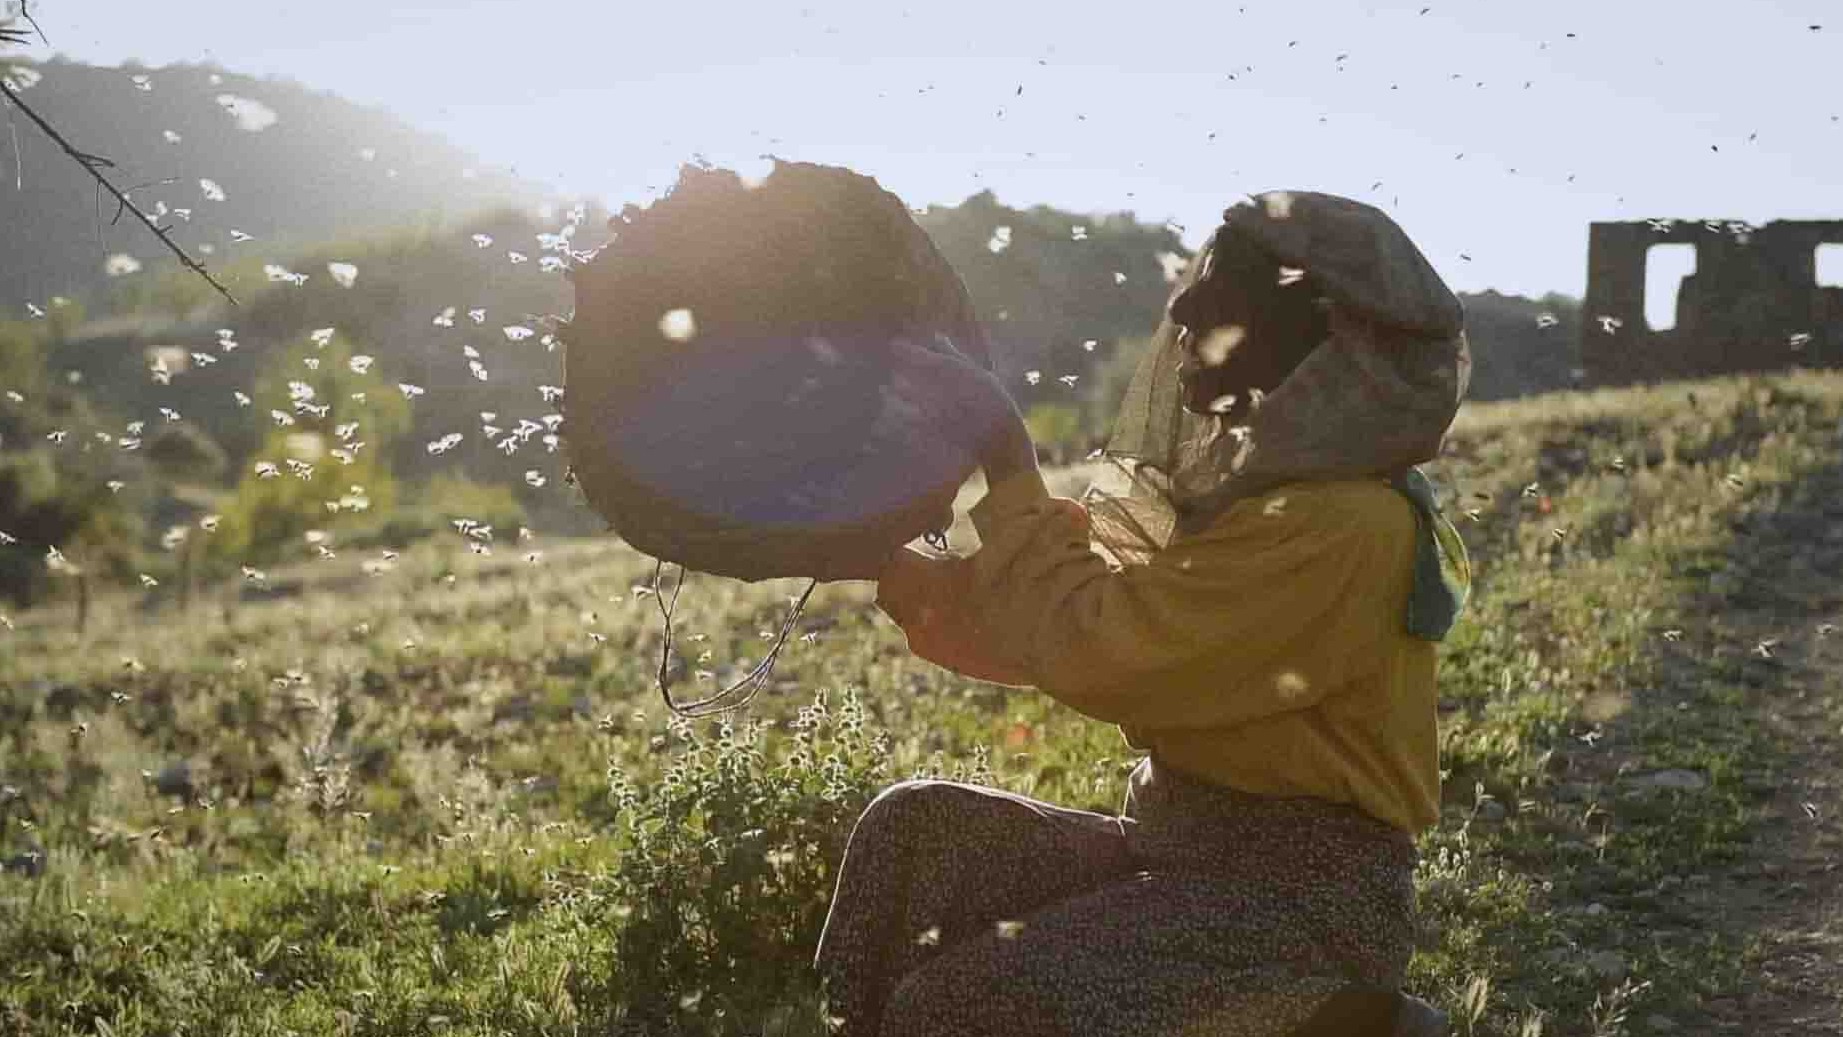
<point>447,799</point>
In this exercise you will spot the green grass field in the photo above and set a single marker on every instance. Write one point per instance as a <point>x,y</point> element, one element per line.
<point>443,796</point>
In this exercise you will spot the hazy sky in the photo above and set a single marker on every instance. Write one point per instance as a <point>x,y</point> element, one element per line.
<point>1494,133</point>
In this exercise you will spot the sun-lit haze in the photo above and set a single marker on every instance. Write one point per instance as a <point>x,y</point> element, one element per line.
<point>1494,131</point>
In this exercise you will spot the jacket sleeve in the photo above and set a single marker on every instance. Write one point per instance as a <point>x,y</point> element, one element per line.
<point>1269,610</point>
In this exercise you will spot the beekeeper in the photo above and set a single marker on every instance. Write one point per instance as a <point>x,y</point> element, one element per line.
<point>1257,606</point>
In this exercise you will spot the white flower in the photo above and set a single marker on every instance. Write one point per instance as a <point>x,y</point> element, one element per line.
<point>121,264</point>
<point>212,191</point>
<point>344,274</point>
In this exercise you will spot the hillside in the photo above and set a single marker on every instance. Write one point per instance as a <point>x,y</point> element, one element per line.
<point>1521,346</point>
<point>382,793</point>
<point>300,179</point>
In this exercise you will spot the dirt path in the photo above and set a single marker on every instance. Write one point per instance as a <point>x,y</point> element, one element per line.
<point>1788,894</point>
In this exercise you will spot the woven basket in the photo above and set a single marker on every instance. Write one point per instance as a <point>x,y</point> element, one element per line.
<point>729,404</point>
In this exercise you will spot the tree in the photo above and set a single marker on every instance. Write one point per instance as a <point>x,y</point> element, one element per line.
<point>67,483</point>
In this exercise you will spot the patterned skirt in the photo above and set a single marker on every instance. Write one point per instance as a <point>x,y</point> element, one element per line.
<point>963,910</point>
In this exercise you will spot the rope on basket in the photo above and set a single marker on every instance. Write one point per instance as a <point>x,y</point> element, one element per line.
<point>752,683</point>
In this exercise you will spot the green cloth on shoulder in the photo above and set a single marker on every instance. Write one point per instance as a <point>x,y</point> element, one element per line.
<point>1442,570</point>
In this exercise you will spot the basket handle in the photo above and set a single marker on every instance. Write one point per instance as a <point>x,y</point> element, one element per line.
<point>752,683</point>
<point>748,686</point>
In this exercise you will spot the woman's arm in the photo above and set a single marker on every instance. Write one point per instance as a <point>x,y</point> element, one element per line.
<point>1267,612</point>
<point>919,592</point>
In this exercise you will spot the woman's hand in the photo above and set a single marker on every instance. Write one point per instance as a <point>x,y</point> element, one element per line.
<point>967,405</point>
<point>960,404</point>
<point>923,596</point>
<point>870,567</point>
<point>874,563</point>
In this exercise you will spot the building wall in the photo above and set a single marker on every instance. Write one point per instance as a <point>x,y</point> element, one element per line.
<point>1753,303</point>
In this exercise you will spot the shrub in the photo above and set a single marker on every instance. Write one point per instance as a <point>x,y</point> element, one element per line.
<point>729,865</point>
<point>322,464</point>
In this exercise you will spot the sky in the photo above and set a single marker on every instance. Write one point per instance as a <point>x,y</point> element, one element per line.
<point>1493,131</point>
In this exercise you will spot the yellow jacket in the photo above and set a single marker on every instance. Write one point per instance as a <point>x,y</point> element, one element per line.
<point>1266,653</point>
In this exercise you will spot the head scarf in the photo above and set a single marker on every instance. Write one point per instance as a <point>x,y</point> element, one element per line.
<point>1373,400</point>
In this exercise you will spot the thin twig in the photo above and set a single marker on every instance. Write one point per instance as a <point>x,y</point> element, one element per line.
<point>122,206</point>
<point>26,13</point>
<point>90,163</point>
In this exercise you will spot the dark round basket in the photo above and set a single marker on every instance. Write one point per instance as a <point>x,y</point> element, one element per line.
<point>729,401</point>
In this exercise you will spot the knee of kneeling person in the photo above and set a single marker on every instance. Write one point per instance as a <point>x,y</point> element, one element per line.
<point>897,806</point>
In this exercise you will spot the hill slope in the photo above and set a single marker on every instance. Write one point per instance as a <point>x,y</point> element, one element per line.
<point>301,178</point>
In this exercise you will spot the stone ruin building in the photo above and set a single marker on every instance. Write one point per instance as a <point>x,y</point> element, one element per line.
<point>1753,303</point>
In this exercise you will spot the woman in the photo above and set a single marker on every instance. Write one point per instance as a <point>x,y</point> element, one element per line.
<point>1264,630</point>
